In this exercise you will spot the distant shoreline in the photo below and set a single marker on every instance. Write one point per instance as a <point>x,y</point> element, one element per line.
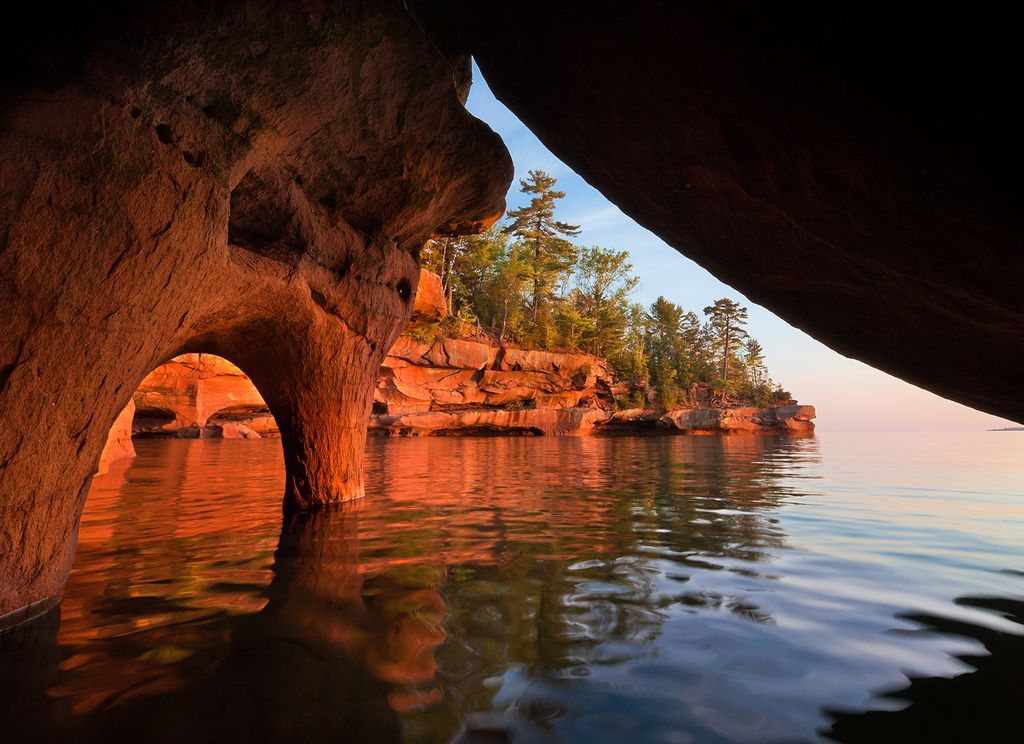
<point>1009,428</point>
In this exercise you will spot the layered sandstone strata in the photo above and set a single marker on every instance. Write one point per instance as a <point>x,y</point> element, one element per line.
<point>790,418</point>
<point>577,421</point>
<point>460,374</point>
<point>448,387</point>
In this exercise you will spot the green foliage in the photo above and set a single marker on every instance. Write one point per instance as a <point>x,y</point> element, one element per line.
<point>525,282</point>
<point>726,320</point>
<point>548,253</point>
<point>636,398</point>
<point>604,281</point>
<point>424,333</point>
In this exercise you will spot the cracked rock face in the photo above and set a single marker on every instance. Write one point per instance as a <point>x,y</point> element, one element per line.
<point>254,182</point>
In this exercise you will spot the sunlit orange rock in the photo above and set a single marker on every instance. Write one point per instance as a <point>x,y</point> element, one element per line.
<point>469,379</point>
<point>794,418</point>
<point>255,185</point>
<point>559,394</point>
<point>180,397</point>
<point>119,442</point>
<point>430,301</point>
<point>569,365</point>
<point>540,421</point>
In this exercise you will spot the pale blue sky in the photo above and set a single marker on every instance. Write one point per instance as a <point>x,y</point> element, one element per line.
<point>849,395</point>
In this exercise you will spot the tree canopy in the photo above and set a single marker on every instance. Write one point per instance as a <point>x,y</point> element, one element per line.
<point>526,282</point>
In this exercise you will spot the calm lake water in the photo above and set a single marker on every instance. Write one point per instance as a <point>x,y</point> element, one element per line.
<point>862,587</point>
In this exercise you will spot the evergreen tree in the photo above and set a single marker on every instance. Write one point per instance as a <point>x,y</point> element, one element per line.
<point>552,255</point>
<point>473,273</point>
<point>513,279</point>
<point>575,324</point>
<point>666,349</point>
<point>632,360</point>
<point>510,278</point>
<point>604,280</point>
<point>753,357</point>
<point>727,320</point>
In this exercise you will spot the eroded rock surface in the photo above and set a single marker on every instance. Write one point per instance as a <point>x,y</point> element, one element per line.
<point>451,374</point>
<point>253,181</point>
<point>119,442</point>
<point>512,391</point>
<point>794,418</point>
<point>196,392</point>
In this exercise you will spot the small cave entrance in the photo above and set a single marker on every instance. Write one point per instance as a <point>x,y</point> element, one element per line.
<point>241,422</point>
<point>200,396</point>
<point>152,422</point>
<point>192,396</point>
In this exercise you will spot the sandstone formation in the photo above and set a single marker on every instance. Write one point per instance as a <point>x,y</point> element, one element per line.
<point>255,180</point>
<point>195,394</point>
<point>430,301</point>
<point>449,387</point>
<point>251,181</point>
<point>119,441</point>
<point>854,167</point>
<point>577,421</point>
<point>793,418</point>
<point>452,374</point>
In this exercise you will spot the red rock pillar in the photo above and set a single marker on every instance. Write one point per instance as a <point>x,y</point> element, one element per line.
<point>260,193</point>
<point>317,368</point>
<point>119,442</point>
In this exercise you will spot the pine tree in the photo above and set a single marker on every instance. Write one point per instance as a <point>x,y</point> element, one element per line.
<point>666,348</point>
<point>753,357</point>
<point>632,359</point>
<point>604,280</point>
<point>535,226</point>
<point>727,319</point>
<point>509,279</point>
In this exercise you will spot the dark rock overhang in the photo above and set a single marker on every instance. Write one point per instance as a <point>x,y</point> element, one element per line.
<point>852,167</point>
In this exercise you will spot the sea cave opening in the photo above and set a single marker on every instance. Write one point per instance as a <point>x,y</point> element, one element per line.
<point>591,513</point>
<point>176,450</point>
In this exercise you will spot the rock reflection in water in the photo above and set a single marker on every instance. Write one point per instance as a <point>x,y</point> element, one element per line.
<point>601,589</point>
<point>170,627</point>
<point>320,661</point>
<point>980,705</point>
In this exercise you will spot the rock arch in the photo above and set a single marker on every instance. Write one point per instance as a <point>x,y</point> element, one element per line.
<point>191,392</point>
<point>251,182</point>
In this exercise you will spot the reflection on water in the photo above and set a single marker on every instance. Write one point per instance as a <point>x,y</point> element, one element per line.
<point>595,589</point>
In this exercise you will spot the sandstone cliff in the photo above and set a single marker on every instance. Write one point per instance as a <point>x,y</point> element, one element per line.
<point>448,386</point>
<point>444,387</point>
<point>251,184</point>
<point>119,441</point>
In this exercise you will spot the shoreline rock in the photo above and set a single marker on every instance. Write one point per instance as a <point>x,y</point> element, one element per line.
<point>582,421</point>
<point>445,386</point>
<point>514,391</point>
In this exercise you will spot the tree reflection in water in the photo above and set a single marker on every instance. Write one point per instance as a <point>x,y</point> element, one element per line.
<point>487,585</point>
